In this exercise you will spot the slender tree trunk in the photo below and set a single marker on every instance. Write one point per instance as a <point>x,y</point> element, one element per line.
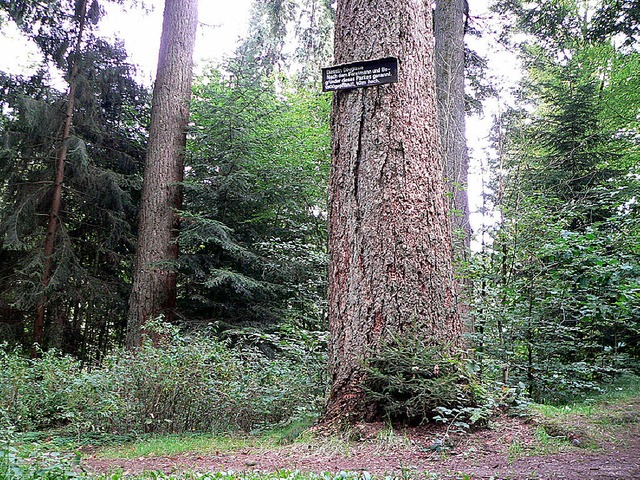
<point>56,196</point>
<point>154,285</point>
<point>389,229</point>
<point>449,25</point>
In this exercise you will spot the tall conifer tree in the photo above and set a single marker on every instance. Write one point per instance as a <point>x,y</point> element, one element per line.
<point>154,286</point>
<point>450,18</point>
<point>56,195</point>
<point>389,229</point>
<point>66,166</point>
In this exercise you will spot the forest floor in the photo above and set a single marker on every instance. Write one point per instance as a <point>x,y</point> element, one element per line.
<point>599,444</point>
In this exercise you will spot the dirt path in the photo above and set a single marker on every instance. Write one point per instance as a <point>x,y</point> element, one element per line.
<point>604,448</point>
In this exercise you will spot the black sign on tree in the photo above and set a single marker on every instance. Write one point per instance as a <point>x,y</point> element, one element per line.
<point>360,74</point>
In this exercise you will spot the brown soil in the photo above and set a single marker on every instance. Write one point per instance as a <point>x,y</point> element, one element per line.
<point>579,447</point>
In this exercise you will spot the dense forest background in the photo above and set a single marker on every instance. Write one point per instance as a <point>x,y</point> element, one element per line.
<point>553,287</point>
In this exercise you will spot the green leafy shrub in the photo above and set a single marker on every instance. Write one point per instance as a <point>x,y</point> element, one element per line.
<point>34,393</point>
<point>189,383</point>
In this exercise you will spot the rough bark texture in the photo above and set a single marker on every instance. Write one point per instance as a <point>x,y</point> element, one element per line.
<point>449,25</point>
<point>56,194</point>
<point>389,230</point>
<point>154,286</point>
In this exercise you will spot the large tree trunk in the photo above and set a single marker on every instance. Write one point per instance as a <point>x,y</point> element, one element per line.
<point>154,285</point>
<point>449,25</point>
<point>389,229</point>
<point>56,194</point>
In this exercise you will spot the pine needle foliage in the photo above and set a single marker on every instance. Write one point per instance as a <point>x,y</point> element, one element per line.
<point>94,243</point>
<point>411,381</point>
<point>254,234</point>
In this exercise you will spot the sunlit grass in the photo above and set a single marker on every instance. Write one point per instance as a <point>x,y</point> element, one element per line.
<point>515,450</point>
<point>167,445</point>
<point>547,444</point>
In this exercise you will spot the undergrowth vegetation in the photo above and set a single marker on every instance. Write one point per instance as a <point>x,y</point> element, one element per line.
<point>411,381</point>
<point>622,388</point>
<point>578,425</point>
<point>189,383</point>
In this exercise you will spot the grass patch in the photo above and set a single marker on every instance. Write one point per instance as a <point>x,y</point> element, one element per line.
<point>547,444</point>
<point>515,450</point>
<point>64,440</point>
<point>168,445</point>
<point>297,431</point>
<point>390,438</point>
<point>591,422</point>
<point>201,443</point>
<point>623,388</point>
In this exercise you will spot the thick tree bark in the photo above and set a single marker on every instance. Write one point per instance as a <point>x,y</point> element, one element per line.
<point>389,229</point>
<point>449,25</point>
<point>56,195</point>
<point>154,286</point>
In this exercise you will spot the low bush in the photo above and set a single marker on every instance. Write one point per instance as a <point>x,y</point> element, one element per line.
<point>189,383</point>
<point>411,381</point>
<point>34,394</point>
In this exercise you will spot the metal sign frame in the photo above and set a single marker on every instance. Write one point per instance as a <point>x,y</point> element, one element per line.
<point>364,74</point>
